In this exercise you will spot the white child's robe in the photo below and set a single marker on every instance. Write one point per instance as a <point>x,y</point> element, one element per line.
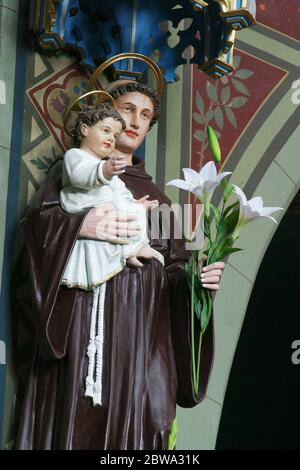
<point>93,262</point>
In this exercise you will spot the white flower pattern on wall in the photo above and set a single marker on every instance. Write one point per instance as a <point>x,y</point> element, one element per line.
<point>222,105</point>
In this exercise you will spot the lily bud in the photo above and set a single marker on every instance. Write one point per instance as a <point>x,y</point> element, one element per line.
<point>214,144</point>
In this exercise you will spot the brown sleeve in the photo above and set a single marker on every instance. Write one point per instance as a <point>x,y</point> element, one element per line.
<point>50,234</point>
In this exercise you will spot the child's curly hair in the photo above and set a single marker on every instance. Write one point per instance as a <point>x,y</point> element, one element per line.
<point>93,114</point>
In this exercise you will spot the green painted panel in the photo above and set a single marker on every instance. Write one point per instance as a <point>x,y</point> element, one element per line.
<point>229,311</point>
<point>289,157</point>
<point>262,42</point>
<point>11,4</point>
<point>197,426</point>
<point>276,189</point>
<point>173,140</point>
<point>262,139</point>
<point>8,23</point>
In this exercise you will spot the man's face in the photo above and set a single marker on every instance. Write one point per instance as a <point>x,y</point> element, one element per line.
<point>101,137</point>
<point>137,111</point>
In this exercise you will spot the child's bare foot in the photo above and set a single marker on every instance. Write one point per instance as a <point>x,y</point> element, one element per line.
<point>134,262</point>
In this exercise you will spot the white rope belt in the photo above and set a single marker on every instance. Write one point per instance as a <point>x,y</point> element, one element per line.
<point>93,388</point>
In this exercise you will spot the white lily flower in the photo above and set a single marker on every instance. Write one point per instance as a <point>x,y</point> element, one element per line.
<point>253,208</point>
<point>201,184</point>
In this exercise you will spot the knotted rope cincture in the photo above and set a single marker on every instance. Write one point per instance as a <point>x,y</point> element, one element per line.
<point>93,388</point>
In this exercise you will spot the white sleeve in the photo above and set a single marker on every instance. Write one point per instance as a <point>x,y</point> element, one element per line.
<point>124,192</point>
<point>84,171</point>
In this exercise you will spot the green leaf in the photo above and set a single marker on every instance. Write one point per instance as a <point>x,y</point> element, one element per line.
<point>200,102</point>
<point>231,117</point>
<point>206,309</point>
<point>224,184</point>
<point>243,74</point>
<point>200,135</point>
<point>188,272</point>
<point>229,251</point>
<point>39,164</point>
<point>48,160</point>
<point>227,226</point>
<point>217,213</point>
<point>209,115</point>
<point>238,102</point>
<point>227,192</point>
<point>225,94</point>
<point>197,308</point>
<point>219,246</point>
<point>209,308</point>
<point>214,144</point>
<point>239,86</point>
<point>204,316</point>
<point>229,208</point>
<point>198,118</point>
<point>211,91</point>
<point>219,117</point>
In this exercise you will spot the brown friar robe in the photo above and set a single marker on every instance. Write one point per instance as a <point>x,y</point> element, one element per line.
<point>147,352</point>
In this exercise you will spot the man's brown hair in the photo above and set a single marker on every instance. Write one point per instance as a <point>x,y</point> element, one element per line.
<point>140,88</point>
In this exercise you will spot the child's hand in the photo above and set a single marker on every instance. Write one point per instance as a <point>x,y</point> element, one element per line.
<point>148,205</point>
<point>114,166</point>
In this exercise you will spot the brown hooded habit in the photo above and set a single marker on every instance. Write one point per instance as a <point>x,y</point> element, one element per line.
<point>147,353</point>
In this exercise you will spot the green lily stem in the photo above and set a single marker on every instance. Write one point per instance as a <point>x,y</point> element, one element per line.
<point>202,331</point>
<point>198,363</point>
<point>207,220</point>
<point>207,210</point>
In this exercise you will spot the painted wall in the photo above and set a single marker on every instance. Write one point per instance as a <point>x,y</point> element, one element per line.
<point>257,116</point>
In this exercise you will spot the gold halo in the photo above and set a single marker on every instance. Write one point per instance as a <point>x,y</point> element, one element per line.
<point>77,106</point>
<point>129,55</point>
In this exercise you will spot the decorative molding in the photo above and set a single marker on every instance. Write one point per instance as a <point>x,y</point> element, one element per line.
<point>100,30</point>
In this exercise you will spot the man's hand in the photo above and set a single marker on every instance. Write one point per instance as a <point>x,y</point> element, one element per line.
<point>114,166</point>
<point>148,205</point>
<point>105,223</point>
<point>210,275</point>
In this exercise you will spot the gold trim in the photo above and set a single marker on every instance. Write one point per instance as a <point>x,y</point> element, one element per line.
<point>53,35</point>
<point>200,5</point>
<point>242,12</point>
<point>76,106</point>
<point>75,285</point>
<point>130,55</point>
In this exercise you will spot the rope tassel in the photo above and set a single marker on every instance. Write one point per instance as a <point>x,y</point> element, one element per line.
<point>93,388</point>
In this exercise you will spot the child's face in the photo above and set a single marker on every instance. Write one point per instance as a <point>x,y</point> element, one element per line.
<point>101,138</point>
